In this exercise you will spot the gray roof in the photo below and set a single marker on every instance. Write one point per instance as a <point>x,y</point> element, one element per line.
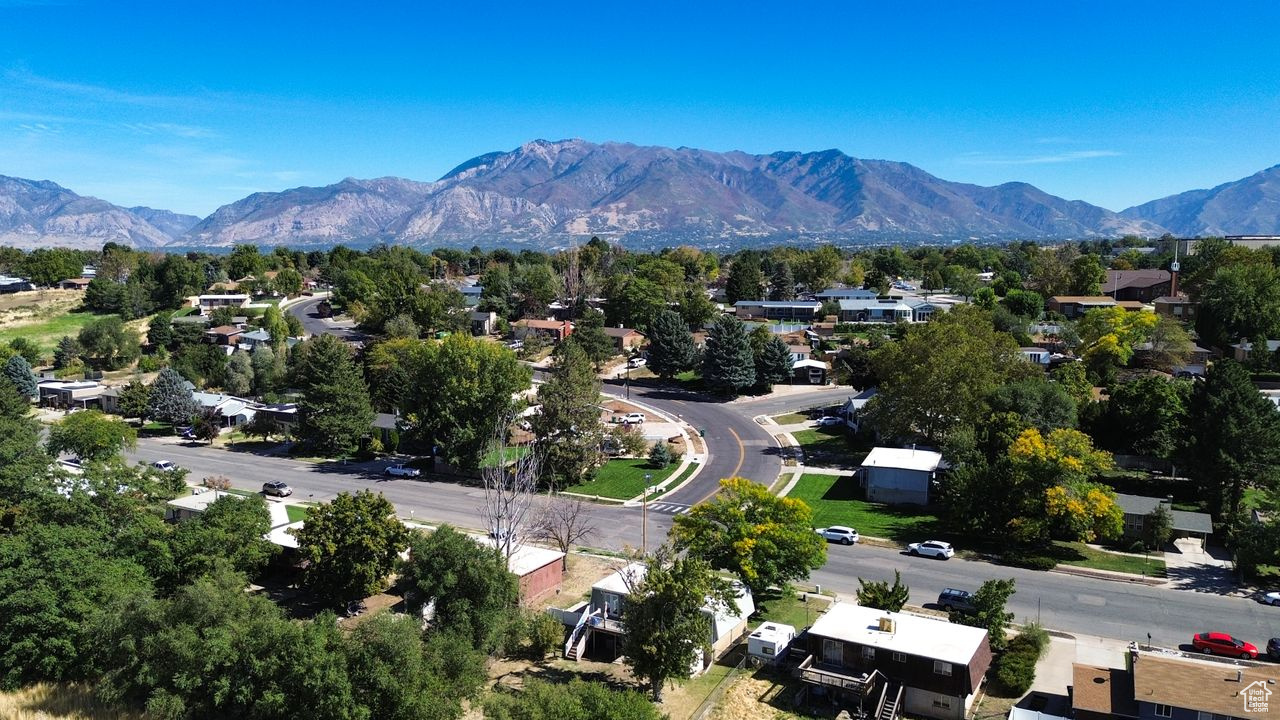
<point>847,293</point>
<point>802,304</point>
<point>259,335</point>
<point>1138,504</point>
<point>1192,521</point>
<point>870,303</point>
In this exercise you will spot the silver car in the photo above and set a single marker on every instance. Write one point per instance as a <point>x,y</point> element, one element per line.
<point>839,533</point>
<point>932,548</point>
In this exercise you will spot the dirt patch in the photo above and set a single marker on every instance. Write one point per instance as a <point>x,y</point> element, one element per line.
<point>758,697</point>
<point>28,307</point>
<point>382,602</point>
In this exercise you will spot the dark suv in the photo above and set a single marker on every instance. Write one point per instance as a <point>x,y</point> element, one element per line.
<point>953,599</point>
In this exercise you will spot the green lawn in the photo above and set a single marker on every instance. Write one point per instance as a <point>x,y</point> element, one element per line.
<point>830,446</point>
<point>836,500</point>
<point>790,418</point>
<point>297,513</point>
<point>794,611</point>
<point>622,479</point>
<point>1082,555</point>
<point>47,332</point>
<point>508,454</point>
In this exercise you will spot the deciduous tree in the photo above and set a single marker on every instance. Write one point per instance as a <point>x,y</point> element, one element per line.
<point>352,544</point>
<point>108,343</point>
<point>90,435</point>
<point>766,540</point>
<point>466,582</point>
<point>989,611</point>
<point>881,595</point>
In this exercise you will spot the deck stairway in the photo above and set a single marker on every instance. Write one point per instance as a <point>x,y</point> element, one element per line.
<point>890,703</point>
<point>577,642</point>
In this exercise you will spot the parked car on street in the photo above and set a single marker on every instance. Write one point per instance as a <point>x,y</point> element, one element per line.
<point>636,362</point>
<point>827,420</point>
<point>932,548</point>
<point>1272,598</point>
<point>839,533</point>
<point>403,471</point>
<point>953,599</point>
<point>164,465</point>
<point>277,488</point>
<point>633,418</point>
<point>1273,649</point>
<point>1211,643</point>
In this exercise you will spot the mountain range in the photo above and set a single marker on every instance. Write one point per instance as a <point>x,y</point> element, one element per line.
<point>552,192</point>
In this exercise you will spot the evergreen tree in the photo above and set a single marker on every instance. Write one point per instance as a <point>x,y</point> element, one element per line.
<point>881,595</point>
<point>746,281</point>
<point>335,412</point>
<point>660,455</point>
<point>589,335</point>
<point>160,331</point>
<point>18,371</point>
<point>773,363</point>
<point>728,365</point>
<point>171,400</point>
<point>782,283</point>
<point>1233,439</point>
<point>568,426</point>
<point>671,348</point>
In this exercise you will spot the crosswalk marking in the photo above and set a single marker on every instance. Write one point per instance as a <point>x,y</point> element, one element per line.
<point>669,508</point>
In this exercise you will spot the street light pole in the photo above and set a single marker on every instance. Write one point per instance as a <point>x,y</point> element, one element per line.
<point>628,383</point>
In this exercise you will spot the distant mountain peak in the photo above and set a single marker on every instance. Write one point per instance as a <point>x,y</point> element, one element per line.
<point>1249,206</point>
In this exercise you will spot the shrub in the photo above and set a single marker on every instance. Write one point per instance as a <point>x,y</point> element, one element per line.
<point>217,482</point>
<point>1138,546</point>
<point>1028,560</point>
<point>1015,672</point>
<point>1035,635</point>
<point>660,455</point>
<point>151,363</point>
<point>546,635</point>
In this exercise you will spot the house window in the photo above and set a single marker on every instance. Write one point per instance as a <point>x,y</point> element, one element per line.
<point>899,657</point>
<point>612,604</point>
<point>1202,715</point>
<point>832,652</point>
<point>1164,711</point>
<point>941,668</point>
<point>942,703</point>
<point>868,652</point>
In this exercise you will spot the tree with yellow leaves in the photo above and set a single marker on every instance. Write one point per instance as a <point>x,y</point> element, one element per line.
<point>1109,335</point>
<point>1058,468</point>
<point>766,540</point>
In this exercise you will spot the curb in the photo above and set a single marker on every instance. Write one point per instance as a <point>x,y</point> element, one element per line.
<point>680,424</point>
<point>1112,576</point>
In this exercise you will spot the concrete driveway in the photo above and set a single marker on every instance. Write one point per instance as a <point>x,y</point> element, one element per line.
<point>1193,567</point>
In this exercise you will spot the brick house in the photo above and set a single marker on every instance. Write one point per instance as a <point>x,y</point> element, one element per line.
<point>1141,285</point>
<point>554,330</point>
<point>624,339</point>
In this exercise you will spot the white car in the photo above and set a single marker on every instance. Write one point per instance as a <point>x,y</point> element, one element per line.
<point>1272,598</point>
<point>839,533</point>
<point>636,362</point>
<point>164,465</point>
<point>403,471</point>
<point>828,420</point>
<point>633,418</point>
<point>932,548</point>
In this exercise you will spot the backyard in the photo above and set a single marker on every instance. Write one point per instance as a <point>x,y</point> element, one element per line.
<point>622,479</point>
<point>836,500</point>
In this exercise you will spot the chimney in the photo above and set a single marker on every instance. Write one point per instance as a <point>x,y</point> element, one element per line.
<point>1173,284</point>
<point>887,625</point>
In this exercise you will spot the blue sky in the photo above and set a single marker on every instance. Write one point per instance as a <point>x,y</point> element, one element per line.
<point>187,108</point>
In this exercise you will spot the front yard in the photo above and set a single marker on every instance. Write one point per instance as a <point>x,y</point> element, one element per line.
<point>836,500</point>
<point>1082,555</point>
<point>831,445</point>
<point>622,479</point>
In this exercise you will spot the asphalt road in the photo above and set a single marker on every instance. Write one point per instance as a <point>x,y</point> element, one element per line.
<point>305,311</point>
<point>1062,602</point>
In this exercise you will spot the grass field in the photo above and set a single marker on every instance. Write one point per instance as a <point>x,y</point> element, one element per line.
<point>830,446</point>
<point>297,513</point>
<point>47,331</point>
<point>508,454</point>
<point>1082,555</point>
<point>790,418</point>
<point>622,479</point>
<point>67,701</point>
<point>795,611</point>
<point>838,503</point>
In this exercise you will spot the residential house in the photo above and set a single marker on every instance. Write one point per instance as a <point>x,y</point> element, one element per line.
<point>792,310</point>
<point>253,339</point>
<point>889,663</point>
<point>851,411</point>
<point>1178,307</point>
<point>599,632</point>
<point>876,310</point>
<point>846,294</point>
<point>1160,684</point>
<point>226,335</point>
<point>384,426</point>
<point>1186,523</point>
<point>471,295</point>
<point>553,330</point>
<point>811,371</point>
<point>235,411</point>
<point>483,323</point>
<point>1036,355</point>
<point>799,353</point>
<point>67,394</point>
<point>1141,285</point>
<point>1197,360</point>
<point>624,339</point>
<point>79,283</point>
<point>1073,306</point>
<point>285,415</point>
<point>209,303</point>
<point>900,476</point>
<point>190,506</point>
<point>14,284</point>
<point>1242,350</point>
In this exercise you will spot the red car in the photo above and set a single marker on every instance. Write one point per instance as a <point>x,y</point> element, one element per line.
<point>1223,644</point>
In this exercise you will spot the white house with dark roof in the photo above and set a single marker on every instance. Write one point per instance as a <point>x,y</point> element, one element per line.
<point>796,310</point>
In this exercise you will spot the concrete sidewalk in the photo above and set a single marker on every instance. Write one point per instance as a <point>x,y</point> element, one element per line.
<point>1053,672</point>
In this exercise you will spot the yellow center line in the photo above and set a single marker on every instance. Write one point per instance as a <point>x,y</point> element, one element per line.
<point>742,457</point>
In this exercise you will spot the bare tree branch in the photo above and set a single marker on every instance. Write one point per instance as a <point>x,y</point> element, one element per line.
<point>564,522</point>
<point>509,486</point>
